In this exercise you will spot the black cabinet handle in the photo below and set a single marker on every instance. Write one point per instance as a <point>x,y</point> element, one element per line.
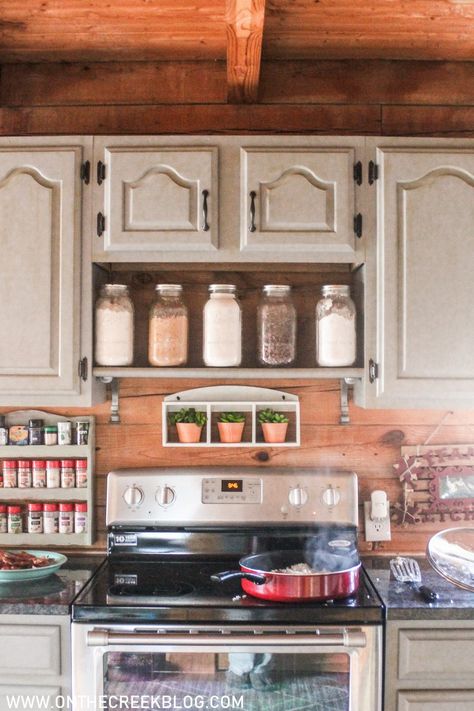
<point>205,195</point>
<point>100,224</point>
<point>252,227</point>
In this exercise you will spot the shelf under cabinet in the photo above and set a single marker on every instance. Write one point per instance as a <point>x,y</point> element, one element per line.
<point>45,451</point>
<point>43,494</point>
<point>230,373</point>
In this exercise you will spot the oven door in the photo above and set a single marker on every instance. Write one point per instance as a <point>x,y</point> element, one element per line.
<point>267,668</point>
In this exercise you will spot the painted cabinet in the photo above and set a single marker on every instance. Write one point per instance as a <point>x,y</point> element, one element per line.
<point>42,339</point>
<point>428,665</point>
<point>226,199</point>
<point>299,199</point>
<point>157,197</point>
<point>421,316</point>
<point>35,660</point>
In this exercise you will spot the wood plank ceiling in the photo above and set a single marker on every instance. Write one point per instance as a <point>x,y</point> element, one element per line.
<point>240,31</point>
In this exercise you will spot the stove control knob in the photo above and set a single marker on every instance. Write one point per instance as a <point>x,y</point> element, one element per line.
<point>297,496</point>
<point>331,497</point>
<point>165,495</point>
<point>133,496</point>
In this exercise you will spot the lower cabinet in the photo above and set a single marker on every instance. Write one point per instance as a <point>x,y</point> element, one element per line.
<point>428,665</point>
<point>34,660</point>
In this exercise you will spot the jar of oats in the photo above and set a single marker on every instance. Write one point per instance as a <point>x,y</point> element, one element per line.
<point>276,326</point>
<point>168,327</point>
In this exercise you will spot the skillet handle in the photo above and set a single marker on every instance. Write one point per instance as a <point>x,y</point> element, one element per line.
<point>231,574</point>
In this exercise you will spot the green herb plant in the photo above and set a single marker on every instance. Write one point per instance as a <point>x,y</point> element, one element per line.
<point>231,417</point>
<point>270,415</point>
<point>189,415</point>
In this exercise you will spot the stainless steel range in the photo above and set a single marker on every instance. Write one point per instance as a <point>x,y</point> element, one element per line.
<point>152,628</point>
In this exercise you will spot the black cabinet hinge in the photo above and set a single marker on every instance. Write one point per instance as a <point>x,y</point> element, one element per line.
<point>100,172</point>
<point>100,224</point>
<point>86,172</point>
<point>83,369</point>
<point>357,173</point>
<point>373,172</point>
<point>358,224</point>
<point>373,370</point>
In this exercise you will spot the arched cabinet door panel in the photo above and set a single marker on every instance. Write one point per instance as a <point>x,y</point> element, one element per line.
<point>157,197</point>
<point>299,199</point>
<point>41,205</point>
<point>424,303</point>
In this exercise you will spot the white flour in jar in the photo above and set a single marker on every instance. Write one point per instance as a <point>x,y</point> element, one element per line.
<point>222,331</point>
<point>336,340</point>
<point>114,336</point>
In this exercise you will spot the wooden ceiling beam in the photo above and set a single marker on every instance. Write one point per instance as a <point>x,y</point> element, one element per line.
<point>244,28</point>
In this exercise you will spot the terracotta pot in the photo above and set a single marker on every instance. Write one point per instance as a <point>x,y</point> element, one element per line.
<point>188,432</point>
<point>231,432</point>
<point>274,432</point>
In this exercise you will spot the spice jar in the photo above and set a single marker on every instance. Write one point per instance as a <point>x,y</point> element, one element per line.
<point>51,518</point>
<point>53,474</point>
<point>65,432</point>
<point>66,518</point>
<point>3,431</point>
<point>82,432</point>
<point>35,518</point>
<point>222,345</point>
<point>68,474</point>
<point>3,518</point>
<point>168,327</point>
<point>38,473</point>
<point>80,517</point>
<point>335,327</point>
<point>276,326</point>
<point>81,473</point>
<point>9,468</point>
<point>114,326</point>
<point>24,474</point>
<point>35,431</point>
<point>14,519</point>
<point>50,434</point>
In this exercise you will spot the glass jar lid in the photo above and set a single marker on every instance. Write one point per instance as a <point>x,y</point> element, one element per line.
<point>335,290</point>
<point>115,288</point>
<point>222,288</point>
<point>277,288</point>
<point>169,288</point>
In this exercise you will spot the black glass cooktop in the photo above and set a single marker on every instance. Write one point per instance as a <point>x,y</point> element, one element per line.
<point>181,590</point>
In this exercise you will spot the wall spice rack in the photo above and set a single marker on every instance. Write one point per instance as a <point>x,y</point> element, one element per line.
<point>17,495</point>
<point>248,400</point>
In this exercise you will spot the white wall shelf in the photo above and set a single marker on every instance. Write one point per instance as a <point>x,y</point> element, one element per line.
<point>22,495</point>
<point>231,373</point>
<point>234,398</point>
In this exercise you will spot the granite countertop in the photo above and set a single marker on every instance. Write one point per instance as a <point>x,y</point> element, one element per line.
<point>403,602</point>
<point>52,595</point>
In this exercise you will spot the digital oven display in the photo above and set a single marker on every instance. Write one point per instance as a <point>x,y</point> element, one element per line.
<point>229,485</point>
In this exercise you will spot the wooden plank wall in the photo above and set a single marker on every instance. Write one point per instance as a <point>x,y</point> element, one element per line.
<point>369,445</point>
<point>341,97</point>
<point>332,97</point>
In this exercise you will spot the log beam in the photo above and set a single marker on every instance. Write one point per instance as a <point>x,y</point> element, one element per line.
<point>244,29</point>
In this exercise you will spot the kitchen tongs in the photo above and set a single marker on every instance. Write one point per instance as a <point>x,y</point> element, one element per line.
<point>407,570</point>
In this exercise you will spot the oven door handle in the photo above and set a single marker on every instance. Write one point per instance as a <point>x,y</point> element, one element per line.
<point>346,638</point>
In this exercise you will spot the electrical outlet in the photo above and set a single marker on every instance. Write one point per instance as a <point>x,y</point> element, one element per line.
<point>376,529</point>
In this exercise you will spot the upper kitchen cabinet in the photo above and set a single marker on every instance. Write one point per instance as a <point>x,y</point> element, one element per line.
<point>221,199</point>
<point>157,199</point>
<point>419,325</point>
<point>300,201</point>
<point>44,347</point>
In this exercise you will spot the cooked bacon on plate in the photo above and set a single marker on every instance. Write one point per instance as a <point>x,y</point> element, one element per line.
<point>21,560</point>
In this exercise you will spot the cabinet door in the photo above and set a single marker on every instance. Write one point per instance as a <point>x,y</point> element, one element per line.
<point>425,285</point>
<point>299,200</point>
<point>435,700</point>
<point>40,270</point>
<point>159,198</point>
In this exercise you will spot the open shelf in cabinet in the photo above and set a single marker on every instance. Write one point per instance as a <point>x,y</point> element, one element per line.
<point>43,494</point>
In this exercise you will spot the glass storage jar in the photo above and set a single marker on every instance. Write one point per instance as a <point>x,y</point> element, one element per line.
<point>276,326</point>
<point>335,327</point>
<point>168,327</point>
<point>222,340</point>
<point>114,326</point>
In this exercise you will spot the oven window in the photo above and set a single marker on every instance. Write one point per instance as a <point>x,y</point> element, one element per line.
<point>246,681</point>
